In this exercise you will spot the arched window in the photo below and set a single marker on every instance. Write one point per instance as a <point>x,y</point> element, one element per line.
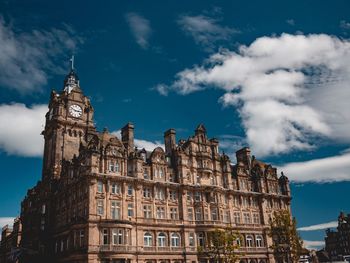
<point>160,173</point>
<point>147,239</point>
<point>249,241</point>
<point>175,240</point>
<point>161,240</point>
<point>259,241</point>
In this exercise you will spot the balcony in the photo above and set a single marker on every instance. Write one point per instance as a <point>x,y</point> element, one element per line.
<point>209,222</point>
<point>113,248</point>
<point>162,249</point>
<point>161,221</point>
<point>252,249</point>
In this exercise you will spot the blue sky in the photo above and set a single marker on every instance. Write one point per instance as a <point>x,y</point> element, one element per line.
<point>273,75</point>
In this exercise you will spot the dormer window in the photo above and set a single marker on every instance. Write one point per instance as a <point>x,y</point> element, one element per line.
<point>145,174</point>
<point>161,175</point>
<point>143,156</point>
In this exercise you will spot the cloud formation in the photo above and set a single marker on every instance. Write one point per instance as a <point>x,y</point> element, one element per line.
<point>206,31</point>
<point>288,89</point>
<point>19,123</point>
<point>6,221</point>
<point>27,59</point>
<point>330,169</point>
<point>313,244</point>
<point>319,226</point>
<point>140,28</point>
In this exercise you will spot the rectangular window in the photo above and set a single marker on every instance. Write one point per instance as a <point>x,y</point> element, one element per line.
<point>147,211</point>
<point>190,214</point>
<point>245,201</point>
<point>130,190</point>
<point>160,194</point>
<point>255,202</point>
<point>247,219</point>
<point>189,196</point>
<point>147,192</point>
<point>145,174</point>
<point>115,188</point>
<point>81,238</point>
<point>198,215</point>
<point>115,210</point>
<point>43,209</point>
<point>227,217</point>
<point>99,207</point>
<point>105,236</point>
<point>99,187</point>
<point>130,210</point>
<point>173,213</point>
<point>243,185</point>
<point>237,217</point>
<point>214,213</point>
<point>111,166</point>
<point>256,218</point>
<point>191,239</point>
<point>116,167</point>
<point>197,196</point>
<point>117,236</point>
<point>161,173</point>
<point>160,212</point>
<point>173,195</point>
<point>236,201</point>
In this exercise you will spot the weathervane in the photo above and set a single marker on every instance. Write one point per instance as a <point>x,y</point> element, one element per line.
<point>72,62</point>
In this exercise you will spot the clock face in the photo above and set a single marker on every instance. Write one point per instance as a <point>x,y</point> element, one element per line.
<point>75,111</point>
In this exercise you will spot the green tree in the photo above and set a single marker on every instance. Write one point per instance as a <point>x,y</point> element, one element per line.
<point>222,246</point>
<point>287,244</point>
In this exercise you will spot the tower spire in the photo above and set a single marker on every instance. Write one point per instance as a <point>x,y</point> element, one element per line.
<point>71,81</point>
<point>72,63</point>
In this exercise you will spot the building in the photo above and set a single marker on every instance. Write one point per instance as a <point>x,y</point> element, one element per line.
<point>338,242</point>
<point>100,199</point>
<point>10,242</point>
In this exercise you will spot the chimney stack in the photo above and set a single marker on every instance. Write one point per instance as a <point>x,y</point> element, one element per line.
<point>243,156</point>
<point>170,140</point>
<point>128,136</point>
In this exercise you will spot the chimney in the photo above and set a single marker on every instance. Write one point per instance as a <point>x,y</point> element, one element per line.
<point>243,156</point>
<point>128,136</point>
<point>170,140</point>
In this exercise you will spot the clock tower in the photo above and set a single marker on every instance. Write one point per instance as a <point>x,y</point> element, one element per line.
<point>68,122</point>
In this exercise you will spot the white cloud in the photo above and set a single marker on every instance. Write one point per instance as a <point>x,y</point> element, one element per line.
<point>6,221</point>
<point>140,144</point>
<point>290,22</point>
<point>28,58</point>
<point>148,145</point>
<point>288,89</point>
<point>330,169</point>
<point>140,28</point>
<point>344,24</point>
<point>313,244</point>
<point>230,144</point>
<point>205,30</point>
<point>319,226</point>
<point>20,129</point>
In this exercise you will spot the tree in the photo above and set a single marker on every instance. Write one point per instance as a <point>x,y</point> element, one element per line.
<point>222,246</point>
<point>287,244</point>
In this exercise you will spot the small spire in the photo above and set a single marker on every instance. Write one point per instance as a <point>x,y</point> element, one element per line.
<point>72,63</point>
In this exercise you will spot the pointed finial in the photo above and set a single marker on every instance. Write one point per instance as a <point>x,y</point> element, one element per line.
<point>72,62</point>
